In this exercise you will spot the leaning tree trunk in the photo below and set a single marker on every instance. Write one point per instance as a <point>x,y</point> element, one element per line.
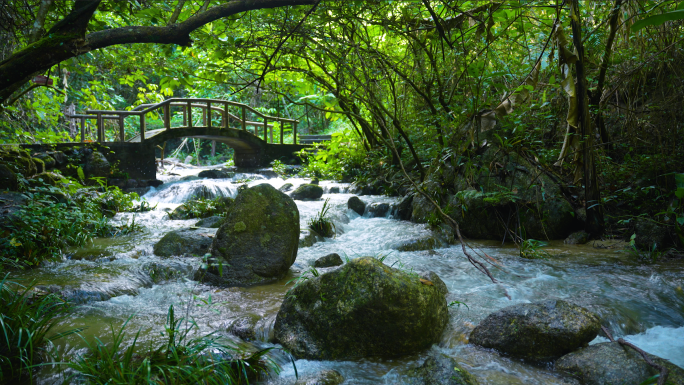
<point>592,197</point>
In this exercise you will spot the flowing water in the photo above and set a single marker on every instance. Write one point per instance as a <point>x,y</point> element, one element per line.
<point>120,279</point>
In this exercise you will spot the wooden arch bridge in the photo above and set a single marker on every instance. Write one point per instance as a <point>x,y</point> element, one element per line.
<point>249,132</point>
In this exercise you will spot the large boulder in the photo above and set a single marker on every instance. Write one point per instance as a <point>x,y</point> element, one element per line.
<point>97,165</point>
<point>363,309</point>
<point>610,363</point>
<point>404,208</point>
<point>307,192</point>
<point>540,331</point>
<point>439,369</point>
<point>180,242</point>
<point>258,241</point>
<point>357,205</point>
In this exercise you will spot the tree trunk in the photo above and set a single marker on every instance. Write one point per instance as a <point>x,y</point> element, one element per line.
<point>592,197</point>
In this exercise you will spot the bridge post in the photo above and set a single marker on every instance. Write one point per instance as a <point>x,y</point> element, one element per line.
<point>224,117</point>
<point>122,132</point>
<point>189,107</point>
<point>82,130</point>
<point>281,131</point>
<point>167,116</point>
<point>142,127</point>
<point>208,124</point>
<point>265,130</point>
<point>100,126</point>
<point>185,116</point>
<point>244,119</point>
<point>294,132</point>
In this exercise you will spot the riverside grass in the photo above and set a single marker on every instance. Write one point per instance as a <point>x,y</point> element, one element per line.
<point>25,321</point>
<point>180,360</point>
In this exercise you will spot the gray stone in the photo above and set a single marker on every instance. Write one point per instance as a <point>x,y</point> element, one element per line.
<point>211,222</point>
<point>362,309</point>
<point>286,187</point>
<point>325,377</point>
<point>48,161</point>
<point>245,327</point>
<point>334,190</point>
<point>540,331</point>
<point>577,238</point>
<point>425,243</point>
<point>180,242</point>
<point>308,238</point>
<point>307,192</point>
<point>649,235</point>
<point>357,205</point>
<point>329,260</point>
<point>378,209</point>
<point>216,174</point>
<point>258,241</point>
<point>59,157</point>
<point>610,363</point>
<point>439,369</point>
<point>8,179</point>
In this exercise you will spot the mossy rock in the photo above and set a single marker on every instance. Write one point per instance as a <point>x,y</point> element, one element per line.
<point>611,363</point>
<point>329,260</point>
<point>324,377</point>
<point>8,178</point>
<point>540,331</point>
<point>307,192</point>
<point>439,369</point>
<point>18,160</point>
<point>356,205</point>
<point>258,241</point>
<point>45,178</point>
<point>213,222</point>
<point>47,160</point>
<point>97,165</point>
<point>363,309</point>
<point>40,165</point>
<point>286,187</point>
<point>245,327</point>
<point>425,243</point>
<point>180,242</point>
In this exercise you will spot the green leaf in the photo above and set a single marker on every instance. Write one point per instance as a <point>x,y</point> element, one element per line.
<point>659,19</point>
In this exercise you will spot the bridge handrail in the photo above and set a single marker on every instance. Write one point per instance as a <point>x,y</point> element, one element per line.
<point>143,109</point>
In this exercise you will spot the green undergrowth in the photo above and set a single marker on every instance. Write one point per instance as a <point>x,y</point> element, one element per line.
<point>53,218</point>
<point>321,223</point>
<point>202,208</point>
<point>181,359</point>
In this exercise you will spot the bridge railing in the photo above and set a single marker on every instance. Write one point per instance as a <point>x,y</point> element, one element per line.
<point>208,106</point>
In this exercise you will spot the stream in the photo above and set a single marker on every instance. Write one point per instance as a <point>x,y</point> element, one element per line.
<point>120,279</point>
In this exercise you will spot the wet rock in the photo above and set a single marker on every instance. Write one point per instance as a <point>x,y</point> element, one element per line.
<point>245,327</point>
<point>163,272</point>
<point>132,183</point>
<point>431,278</point>
<point>425,243</point>
<point>307,192</point>
<point>334,190</point>
<point>403,209</point>
<point>181,242</point>
<point>91,253</point>
<point>329,260</point>
<point>610,363</point>
<point>258,242</point>
<point>286,187</point>
<point>540,331</point>
<point>216,174</point>
<point>649,235</point>
<point>357,205</point>
<point>117,182</point>
<point>439,369</point>
<point>210,222</point>
<point>97,165</point>
<point>324,377</point>
<point>378,209</point>
<point>359,310</point>
<point>315,181</point>
<point>577,238</point>
<point>8,179</point>
<point>308,238</point>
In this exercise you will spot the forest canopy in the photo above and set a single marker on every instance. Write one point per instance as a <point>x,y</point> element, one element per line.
<point>590,91</point>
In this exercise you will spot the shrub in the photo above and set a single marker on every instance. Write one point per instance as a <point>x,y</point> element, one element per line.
<point>321,224</point>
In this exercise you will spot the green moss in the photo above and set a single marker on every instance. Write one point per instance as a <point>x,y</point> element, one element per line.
<point>239,227</point>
